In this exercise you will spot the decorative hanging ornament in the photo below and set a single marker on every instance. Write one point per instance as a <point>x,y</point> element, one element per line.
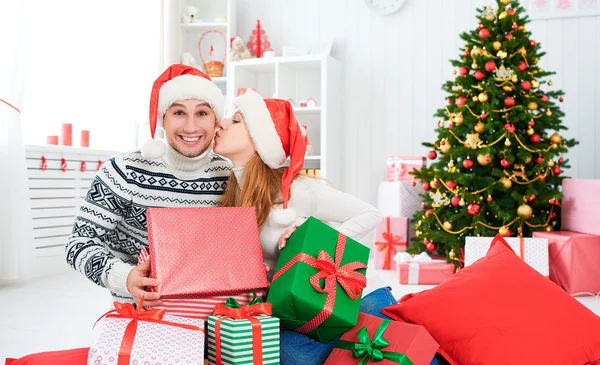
<point>63,164</point>
<point>525,211</point>
<point>82,167</point>
<point>258,41</point>
<point>448,226</point>
<point>468,163</point>
<point>473,208</point>
<point>44,163</point>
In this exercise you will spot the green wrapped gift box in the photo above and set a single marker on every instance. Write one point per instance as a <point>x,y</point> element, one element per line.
<point>318,281</point>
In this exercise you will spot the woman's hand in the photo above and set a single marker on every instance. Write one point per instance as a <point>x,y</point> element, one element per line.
<point>284,237</point>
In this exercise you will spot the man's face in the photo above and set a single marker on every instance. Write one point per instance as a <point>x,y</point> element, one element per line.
<point>189,126</point>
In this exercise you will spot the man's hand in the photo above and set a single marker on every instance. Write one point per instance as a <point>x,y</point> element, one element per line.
<point>137,281</point>
<point>283,239</point>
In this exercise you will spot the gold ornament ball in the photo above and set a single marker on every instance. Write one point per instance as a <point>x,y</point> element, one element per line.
<point>532,105</point>
<point>476,51</point>
<point>474,66</point>
<point>522,27</point>
<point>448,225</point>
<point>483,97</point>
<point>555,138</point>
<point>502,15</point>
<point>479,127</point>
<point>535,60</point>
<point>462,202</point>
<point>458,119</point>
<point>528,159</point>
<point>505,2</point>
<point>490,17</point>
<point>530,131</point>
<point>551,163</point>
<point>549,112</point>
<point>514,78</point>
<point>453,72</point>
<point>475,98</point>
<point>445,148</point>
<point>452,254</point>
<point>549,229</point>
<point>503,231</point>
<point>497,45</point>
<point>507,88</point>
<point>507,143</point>
<point>506,182</point>
<point>549,82</point>
<point>525,211</point>
<point>535,84</point>
<point>502,55</point>
<point>482,159</point>
<point>541,70</point>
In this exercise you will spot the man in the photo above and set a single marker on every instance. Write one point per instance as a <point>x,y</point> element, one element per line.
<point>111,228</point>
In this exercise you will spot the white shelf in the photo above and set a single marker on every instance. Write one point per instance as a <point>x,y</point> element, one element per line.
<point>306,110</point>
<point>219,80</point>
<point>310,61</point>
<point>192,27</point>
<point>312,158</point>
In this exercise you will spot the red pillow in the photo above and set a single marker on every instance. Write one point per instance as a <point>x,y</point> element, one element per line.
<point>70,357</point>
<point>501,311</point>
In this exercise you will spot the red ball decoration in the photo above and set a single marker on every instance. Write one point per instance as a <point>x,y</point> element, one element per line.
<point>450,125</point>
<point>489,199</point>
<point>435,184</point>
<point>535,139</point>
<point>479,75</point>
<point>505,163</point>
<point>455,200</point>
<point>526,85</point>
<point>467,53</point>
<point>426,186</point>
<point>515,26</point>
<point>468,163</point>
<point>509,102</point>
<point>544,98</point>
<point>483,115</point>
<point>560,160</point>
<point>540,159</point>
<point>488,158</point>
<point>561,99</point>
<point>532,43</point>
<point>450,184</point>
<point>473,208</point>
<point>553,215</point>
<point>490,66</point>
<point>510,127</point>
<point>552,201</point>
<point>511,11</point>
<point>463,71</point>
<point>542,176</point>
<point>556,170</point>
<point>509,233</point>
<point>460,101</point>
<point>413,183</point>
<point>508,36</point>
<point>531,198</point>
<point>432,155</point>
<point>423,205</point>
<point>522,66</point>
<point>430,246</point>
<point>531,123</point>
<point>484,33</point>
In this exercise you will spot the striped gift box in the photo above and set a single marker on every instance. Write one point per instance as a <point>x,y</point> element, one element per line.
<point>199,308</point>
<point>236,340</point>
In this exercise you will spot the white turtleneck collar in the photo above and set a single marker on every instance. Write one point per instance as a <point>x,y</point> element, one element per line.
<point>179,162</point>
<point>239,173</point>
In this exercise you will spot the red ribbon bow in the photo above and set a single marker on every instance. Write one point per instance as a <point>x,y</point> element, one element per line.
<point>351,281</point>
<point>241,312</point>
<point>126,310</point>
<point>389,241</point>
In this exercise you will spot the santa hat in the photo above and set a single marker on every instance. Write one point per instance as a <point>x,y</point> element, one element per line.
<point>277,136</point>
<point>178,82</point>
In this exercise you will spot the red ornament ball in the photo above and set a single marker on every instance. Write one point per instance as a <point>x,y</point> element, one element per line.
<point>479,75</point>
<point>522,66</point>
<point>561,99</point>
<point>510,127</point>
<point>435,184</point>
<point>535,139</point>
<point>484,33</point>
<point>526,85</point>
<point>489,199</point>
<point>473,209</point>
<point>455,200</point>
<point>531,123</point>
<point>542,176</point>
<point>413,183</point>
<point>556,170</point>
<point>553,215</point>
<point>552,201</point>
<point>511,11</point>
<point>483,115</point>
<point>532,43</point>
<point>460,101</point>
<point>467,53</point>
<point>544,98</point>
<point>515,26</point>
<point>490,66</point>
<point>468,163</point>
<point>423,205</point>
<point>509,102</point>
<point>560,160</point>
<point>450,184</point>
<point>509,36</point>
<point>430,246</point>
<point>426,186</point>
<point>463,71</point>
<point>505,163</point>
<point>531,198</point>
<point>509,233</point>
<point>488,158</point>
<point>540,159</point>
<point>450,125</point>
<point>432,155</point>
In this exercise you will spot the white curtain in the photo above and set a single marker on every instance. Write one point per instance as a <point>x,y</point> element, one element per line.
<point>15,228</point>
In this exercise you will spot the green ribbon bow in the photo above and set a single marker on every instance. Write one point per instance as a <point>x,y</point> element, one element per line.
<point>232,303</point>
<point>371,351</point>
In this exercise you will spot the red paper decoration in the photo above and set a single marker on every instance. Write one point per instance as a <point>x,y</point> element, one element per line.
<point>63,164</point>
<point>44,163</point>
<point>82,167</point>
<point>258,41</point>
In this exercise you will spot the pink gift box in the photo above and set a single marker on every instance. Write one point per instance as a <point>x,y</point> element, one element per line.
<point>420,271</point>
<point>390,237</point>
<point>399,167</point>
<point>574,259</point>
<point>580,206</point>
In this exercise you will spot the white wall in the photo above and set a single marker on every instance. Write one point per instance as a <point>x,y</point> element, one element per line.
<point>395,67</point>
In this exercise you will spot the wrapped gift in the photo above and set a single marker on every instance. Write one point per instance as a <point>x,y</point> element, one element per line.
<point>318,281</point>
<point>195,251</point>
<point>580,206</point>
<point>243,334</point>
<point>534,251</point>
<point>390,237</point>
<point>422,269</point>
<point>381,341</point>
<point>399,167</point>
<point>132,336</point>
<point>197,307</point>
<point>574,259</point>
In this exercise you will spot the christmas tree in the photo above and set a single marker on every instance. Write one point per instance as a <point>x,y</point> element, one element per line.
<point>498,153</point>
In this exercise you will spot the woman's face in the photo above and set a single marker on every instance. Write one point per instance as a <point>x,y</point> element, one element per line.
<point>233,141</point>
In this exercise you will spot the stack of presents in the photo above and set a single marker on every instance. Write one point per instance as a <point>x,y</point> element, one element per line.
<point>215,292</point>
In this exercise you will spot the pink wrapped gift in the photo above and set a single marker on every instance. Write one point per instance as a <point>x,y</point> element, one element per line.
<point>422,269</point>
<point>390,237</point>
<point>398,167</point>
<point>580,206</point>
<point>574,259</point>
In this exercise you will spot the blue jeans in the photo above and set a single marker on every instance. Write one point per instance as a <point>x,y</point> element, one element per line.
<point>298,349</point>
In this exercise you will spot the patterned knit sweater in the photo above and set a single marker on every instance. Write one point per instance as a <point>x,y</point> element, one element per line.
<point>110,228</point>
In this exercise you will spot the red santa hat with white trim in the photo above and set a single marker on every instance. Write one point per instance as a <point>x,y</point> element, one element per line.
<point>178,82</point>
<point>277,136</point>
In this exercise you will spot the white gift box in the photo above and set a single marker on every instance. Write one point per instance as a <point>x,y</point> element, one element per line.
<point>154,343</point>
<point>398,198</point>
<point>535,251</point>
